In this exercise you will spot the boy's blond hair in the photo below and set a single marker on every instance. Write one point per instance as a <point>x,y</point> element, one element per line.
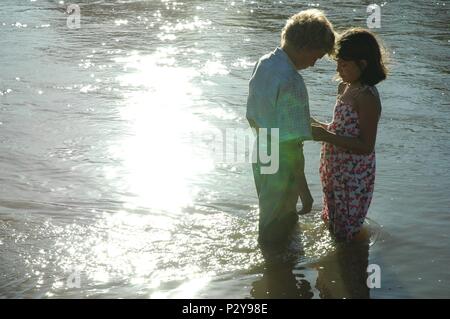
<point>309,29</point>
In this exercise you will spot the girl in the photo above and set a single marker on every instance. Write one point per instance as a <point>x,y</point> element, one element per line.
<point>347,159</point>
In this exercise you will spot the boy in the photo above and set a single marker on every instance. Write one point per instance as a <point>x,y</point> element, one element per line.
<point>278,102</point>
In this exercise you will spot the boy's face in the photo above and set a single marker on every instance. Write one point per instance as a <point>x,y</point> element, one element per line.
<point>308,57</point>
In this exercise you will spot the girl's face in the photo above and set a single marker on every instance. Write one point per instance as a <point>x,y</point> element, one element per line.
<point>348,71</point>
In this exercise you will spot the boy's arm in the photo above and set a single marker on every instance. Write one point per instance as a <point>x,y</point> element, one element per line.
<point>292,111</point>
<point>253,124</point>
<point>293,118</point>
<point>303,189</point>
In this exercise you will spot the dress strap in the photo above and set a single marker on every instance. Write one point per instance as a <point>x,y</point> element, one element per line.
<point>364,89</point>
<point>371,89</point>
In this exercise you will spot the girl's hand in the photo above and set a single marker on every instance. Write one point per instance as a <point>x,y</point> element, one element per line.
<point>317,123</point>
<point>318,133</point>
<point>314,121</point>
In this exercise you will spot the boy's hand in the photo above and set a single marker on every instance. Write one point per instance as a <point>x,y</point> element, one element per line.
<point>306,206</point>
<point>305,195</point>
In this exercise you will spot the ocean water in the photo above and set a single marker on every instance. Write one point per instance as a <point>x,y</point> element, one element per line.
<point>109,185</point>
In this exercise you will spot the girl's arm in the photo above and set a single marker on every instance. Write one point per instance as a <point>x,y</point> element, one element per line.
<point>315,122</point>
<point>369,113</point>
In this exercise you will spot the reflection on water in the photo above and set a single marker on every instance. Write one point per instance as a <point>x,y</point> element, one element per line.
<point>341,272</point>
<point>279,279</point>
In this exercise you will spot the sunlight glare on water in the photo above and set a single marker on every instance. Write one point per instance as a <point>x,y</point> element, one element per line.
<point>161,126</point>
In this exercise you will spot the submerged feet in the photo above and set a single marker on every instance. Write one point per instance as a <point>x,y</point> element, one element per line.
<point>279,230</point>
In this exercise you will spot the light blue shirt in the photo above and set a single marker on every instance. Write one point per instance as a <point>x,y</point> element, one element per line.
<point>278,97</point>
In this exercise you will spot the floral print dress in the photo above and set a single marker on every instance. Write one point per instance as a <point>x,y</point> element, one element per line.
<point>347,178</point>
